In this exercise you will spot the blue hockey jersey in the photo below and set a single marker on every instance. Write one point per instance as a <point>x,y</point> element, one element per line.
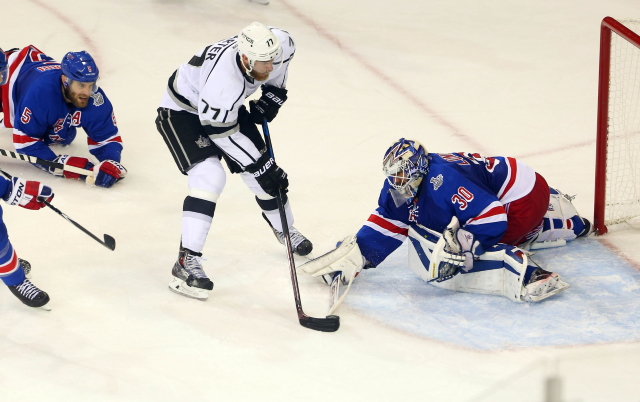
<point>34,106</point>
<point>473,188</point>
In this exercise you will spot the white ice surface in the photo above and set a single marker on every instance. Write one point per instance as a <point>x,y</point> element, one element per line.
<point>504,78</point>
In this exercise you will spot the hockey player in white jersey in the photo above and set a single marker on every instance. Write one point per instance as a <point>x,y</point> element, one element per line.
<point>203,119</point>
<point>469,221</point>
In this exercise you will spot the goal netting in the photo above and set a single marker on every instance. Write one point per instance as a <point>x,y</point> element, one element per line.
<point>617,197</point>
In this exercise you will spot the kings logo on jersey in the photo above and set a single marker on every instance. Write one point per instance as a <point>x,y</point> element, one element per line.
<point>203,142</point>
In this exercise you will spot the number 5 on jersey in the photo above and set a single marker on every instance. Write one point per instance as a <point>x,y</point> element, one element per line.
<point>26,116</point>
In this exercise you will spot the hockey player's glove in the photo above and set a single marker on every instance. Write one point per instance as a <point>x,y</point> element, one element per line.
<point>28,194</point>
<point>76,161</point>
<point>269,175</point>
<point>108,172</point>
<point>268,105</point>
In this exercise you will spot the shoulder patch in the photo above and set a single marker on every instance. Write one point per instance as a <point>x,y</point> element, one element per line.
<point>437,181</point>
<point>98,99</point>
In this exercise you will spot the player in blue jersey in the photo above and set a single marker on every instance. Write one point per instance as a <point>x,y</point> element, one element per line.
<point>464,214</point>
<point>45,102</point>
<point>30,195</point>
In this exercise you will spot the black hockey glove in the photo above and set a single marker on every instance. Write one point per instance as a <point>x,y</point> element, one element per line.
<point>268,105</point>
<point>269,175</point>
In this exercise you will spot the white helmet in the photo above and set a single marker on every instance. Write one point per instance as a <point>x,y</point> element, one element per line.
<point>258,43</point>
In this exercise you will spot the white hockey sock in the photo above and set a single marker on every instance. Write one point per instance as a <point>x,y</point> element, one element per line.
<point>273,215</point>
<point>197,215</point>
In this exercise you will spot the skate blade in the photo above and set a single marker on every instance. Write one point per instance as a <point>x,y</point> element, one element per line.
<point>560,286</point>
<point>180,287</point>
<point>46,307</point>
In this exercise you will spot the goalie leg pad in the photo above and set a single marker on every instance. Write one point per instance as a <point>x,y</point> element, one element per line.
<point>561,224</point>
<point>499,271</point>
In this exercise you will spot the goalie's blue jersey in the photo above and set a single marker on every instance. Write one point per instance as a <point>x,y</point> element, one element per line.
<point>473,188</point>
<point>34,106</point>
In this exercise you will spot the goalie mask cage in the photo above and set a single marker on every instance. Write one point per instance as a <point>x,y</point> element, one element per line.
<point>617,186</point>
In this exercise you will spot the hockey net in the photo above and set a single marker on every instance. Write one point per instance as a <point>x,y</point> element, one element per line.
<point>617,190</point>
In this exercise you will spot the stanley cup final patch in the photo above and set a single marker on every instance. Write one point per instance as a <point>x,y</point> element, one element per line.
<point>437,181</point>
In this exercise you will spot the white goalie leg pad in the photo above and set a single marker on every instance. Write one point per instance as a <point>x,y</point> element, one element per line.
<point>500,271</point>
<point>558,224</point>
<point>346,258</point>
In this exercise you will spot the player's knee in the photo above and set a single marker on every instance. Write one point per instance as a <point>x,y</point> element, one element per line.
<point>208,176</point>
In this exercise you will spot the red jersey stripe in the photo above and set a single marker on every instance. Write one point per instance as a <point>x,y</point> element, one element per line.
<point>385,224</point>
<point>512,178</point>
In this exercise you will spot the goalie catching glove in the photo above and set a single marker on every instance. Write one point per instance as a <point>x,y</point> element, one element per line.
<point>268,105</point>
<point>269,175</point>
<point>28,194</point>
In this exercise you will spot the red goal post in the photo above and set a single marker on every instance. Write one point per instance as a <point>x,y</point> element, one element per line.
<point>617,184</point>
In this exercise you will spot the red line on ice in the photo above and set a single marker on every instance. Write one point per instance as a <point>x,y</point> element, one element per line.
<point>72,25</point>
<point>415,100</point>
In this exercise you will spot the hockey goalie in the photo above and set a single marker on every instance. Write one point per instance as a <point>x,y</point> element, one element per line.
<point>471,222</point>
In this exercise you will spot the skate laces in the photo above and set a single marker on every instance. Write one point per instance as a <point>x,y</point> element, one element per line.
<point>193,265</point>
<point>27,289</point>
<point>295,236</point>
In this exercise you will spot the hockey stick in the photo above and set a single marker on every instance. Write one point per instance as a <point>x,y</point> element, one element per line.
<point>332,322</point>
<point>44,162</point>
<point>109,242</point>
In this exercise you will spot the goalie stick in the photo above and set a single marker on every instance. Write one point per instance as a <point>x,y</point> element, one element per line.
<point>109,242</point>
<point>44,162</point>
<point>336,299</point>
<point>332,322</point>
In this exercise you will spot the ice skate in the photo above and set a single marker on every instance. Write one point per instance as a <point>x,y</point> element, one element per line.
<point>189,278</point>
<point>30,295</point>
<point>543,284</point>
<point>300,244</point>
<point>588,228</point>
<point>26,266</point>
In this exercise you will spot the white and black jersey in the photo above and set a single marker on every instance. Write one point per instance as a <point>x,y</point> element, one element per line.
<point>213,86</point>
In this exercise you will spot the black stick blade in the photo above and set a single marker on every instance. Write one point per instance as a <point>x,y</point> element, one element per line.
<point>109,242</point>
<point>329,324</point>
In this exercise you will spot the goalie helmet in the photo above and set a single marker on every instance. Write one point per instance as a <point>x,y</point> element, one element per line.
<point>404,164</point>
<point>258,43</point>
<point>4,68</point>
<point>80,66</point>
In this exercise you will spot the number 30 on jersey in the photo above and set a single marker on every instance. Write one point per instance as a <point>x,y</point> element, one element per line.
<point>463,197</point>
